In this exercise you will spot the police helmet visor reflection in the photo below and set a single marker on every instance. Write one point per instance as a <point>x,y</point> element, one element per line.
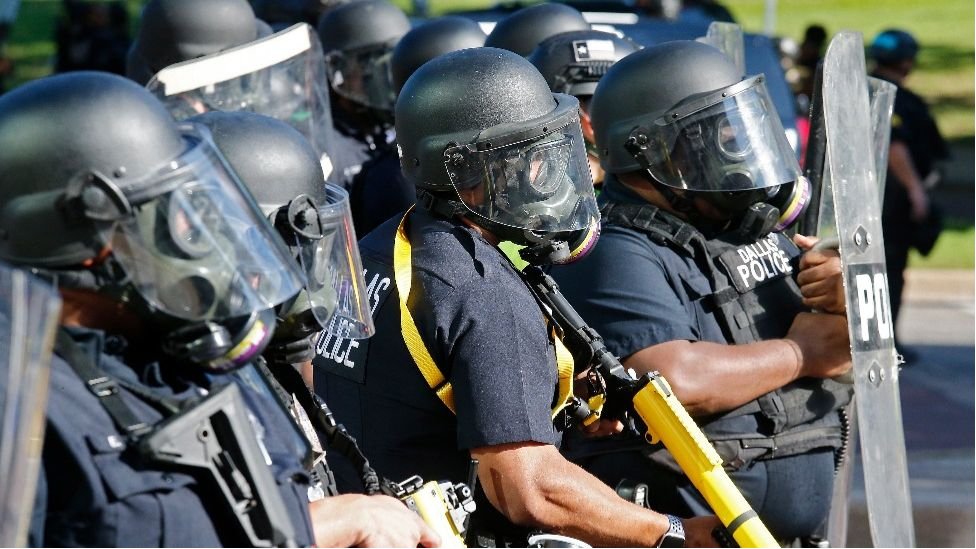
<point>729,140</point>
<point>363,75</point>
<point>333,270</point>
<point>537,182</point>
<point>281,76</point>
<point>196,247</point>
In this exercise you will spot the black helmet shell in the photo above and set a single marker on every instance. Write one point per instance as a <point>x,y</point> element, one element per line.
<point>523,30</point>
<point>273,160</point>
<point>361,24</point>
<point>452,98</point>
<point>640,87</point>
<point>558,53</point>
<point>433,38</point>
<point>172,31</point>
<point>61,128</point>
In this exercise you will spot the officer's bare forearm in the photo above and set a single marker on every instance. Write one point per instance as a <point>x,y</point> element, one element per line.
<point>711,377</point>
<point>533,485</point>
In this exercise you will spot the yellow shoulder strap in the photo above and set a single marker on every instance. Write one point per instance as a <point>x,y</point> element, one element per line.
<point>402,274</point>
<point>402,271</point>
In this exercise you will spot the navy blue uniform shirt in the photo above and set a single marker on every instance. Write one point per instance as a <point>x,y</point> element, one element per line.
<point>484,331</point>
<point>637,293</point>
<point>95,491</point>
<point>379,192</point>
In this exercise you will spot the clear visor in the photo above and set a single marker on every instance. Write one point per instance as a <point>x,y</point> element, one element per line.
<point>196,246</point>
<point>735,142</point>
<point>363,76</point>
<point>334,272</point>
<point>280,76</point>
<point>541,184</point>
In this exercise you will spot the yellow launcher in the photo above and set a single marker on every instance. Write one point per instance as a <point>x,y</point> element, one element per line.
<point>431,503</point>
<point>668,422</point>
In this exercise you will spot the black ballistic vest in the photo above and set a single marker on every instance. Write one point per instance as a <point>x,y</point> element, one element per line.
<point>754,297</point>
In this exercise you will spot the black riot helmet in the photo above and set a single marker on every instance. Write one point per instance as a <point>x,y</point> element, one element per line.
<point>358,39</point>
<point>433,38</point>
<point>681,112</point>
<point>273,160</point>
<point>282,171</point>
<point>573,62</point>
<point>110,194</point>
<point>524,29</point>
<point>481,135</point>
<point>172,31</point>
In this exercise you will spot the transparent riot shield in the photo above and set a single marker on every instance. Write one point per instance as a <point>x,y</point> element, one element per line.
<point>728,38</point>
<point>28,318</point>
<point>882,95</point>
<point>851,182</point>
<point>282,76</point>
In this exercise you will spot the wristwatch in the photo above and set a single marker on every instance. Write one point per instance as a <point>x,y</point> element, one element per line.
<point>675,536</point>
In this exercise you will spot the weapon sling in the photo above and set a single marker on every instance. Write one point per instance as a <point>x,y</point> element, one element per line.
<point>211,439</point>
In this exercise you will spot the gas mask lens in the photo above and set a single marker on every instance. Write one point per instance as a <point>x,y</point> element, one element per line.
<point>195,246</point>
<point>187,222</point>
<point>729,140</point>
<point>538,182</point>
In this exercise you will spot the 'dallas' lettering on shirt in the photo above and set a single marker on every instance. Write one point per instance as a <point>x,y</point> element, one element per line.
<point>334,343</point>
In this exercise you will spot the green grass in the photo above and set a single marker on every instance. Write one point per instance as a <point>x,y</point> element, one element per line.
<point>945,71</point>
<point>954,249</point>
<point>945,28</point>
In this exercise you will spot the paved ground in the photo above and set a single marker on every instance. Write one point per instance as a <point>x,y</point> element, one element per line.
<point>937,389</point>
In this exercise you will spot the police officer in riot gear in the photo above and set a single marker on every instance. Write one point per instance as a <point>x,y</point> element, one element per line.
<point>358,39</point>
<point>573,62</point>
<point>524,29</point>
<point>379,191</point>
<point>699,177</point>
<point>171,31</point>
<point>281,170</point>
<point>463,364</point>
<point>214,55</point>
<point>160,431</point>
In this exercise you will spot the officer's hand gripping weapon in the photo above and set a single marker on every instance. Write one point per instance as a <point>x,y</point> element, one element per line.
<point>444,506</point>
<point>651,398</point>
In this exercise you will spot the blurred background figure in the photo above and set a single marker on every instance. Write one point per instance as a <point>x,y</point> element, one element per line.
<point>810,53</point>
<point>526,28</point>
<point>92,36</point>
<point>358,40</point>
<point>908,219</point>
<point>284,13</point>
<point>8,14</point>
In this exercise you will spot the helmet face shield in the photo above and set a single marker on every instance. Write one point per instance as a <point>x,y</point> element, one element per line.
<point>729,140</point>
<point>196,247</point>
<point>363,75</point>
<point>280,76</point>
<point>537,180</point>
<point>333,271</point>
